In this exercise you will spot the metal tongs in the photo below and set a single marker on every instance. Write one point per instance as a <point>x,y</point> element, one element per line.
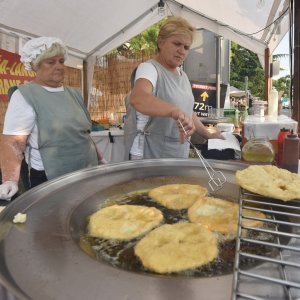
<point>217,178</point>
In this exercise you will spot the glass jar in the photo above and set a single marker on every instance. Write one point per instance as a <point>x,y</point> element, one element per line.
<point>258,149</point>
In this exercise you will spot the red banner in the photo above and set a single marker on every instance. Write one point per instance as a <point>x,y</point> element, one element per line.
<point>12,72</point>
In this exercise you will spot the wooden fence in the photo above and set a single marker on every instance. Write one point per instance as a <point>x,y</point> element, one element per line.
<point>111,83</point>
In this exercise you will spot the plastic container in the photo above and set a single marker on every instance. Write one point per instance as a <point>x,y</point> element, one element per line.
<point>273,103</point>
<point>290,160</point>
<point>258,150</point>
<point>259,108</point>
<point>280,139</point>
<point>225,127</point>
<point>233,114</point>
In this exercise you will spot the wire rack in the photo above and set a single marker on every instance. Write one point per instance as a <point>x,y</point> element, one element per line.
<point>276,274</point>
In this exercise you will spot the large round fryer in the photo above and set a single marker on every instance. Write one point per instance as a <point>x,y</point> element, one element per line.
<point>41,259</point>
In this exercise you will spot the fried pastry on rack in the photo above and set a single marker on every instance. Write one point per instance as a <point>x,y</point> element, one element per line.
<point>270,181</point>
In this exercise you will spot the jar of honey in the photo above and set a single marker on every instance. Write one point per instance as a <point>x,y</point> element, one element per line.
<point>258,149</point>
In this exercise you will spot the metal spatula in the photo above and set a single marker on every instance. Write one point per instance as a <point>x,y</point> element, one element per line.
<point>217,178</point>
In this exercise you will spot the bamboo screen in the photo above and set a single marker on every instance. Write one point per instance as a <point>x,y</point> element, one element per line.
<point>111,83</point>
<point>73,77</point>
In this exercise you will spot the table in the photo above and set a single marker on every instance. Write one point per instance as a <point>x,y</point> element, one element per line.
<point>110,143</point>
<point>267,126</point>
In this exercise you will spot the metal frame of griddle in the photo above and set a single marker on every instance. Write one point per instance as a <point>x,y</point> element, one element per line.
<point>291,210</point>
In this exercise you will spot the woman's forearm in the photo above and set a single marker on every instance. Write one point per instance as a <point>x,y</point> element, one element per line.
<point>203,131</point>
<point>200,128</point>
<point>12,149</point>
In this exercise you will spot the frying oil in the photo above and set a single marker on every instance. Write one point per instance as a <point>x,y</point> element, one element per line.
<point>121,253</point>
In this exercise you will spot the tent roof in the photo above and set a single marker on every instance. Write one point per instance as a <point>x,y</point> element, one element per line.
<point>98,26</point>
<point>235,92</point>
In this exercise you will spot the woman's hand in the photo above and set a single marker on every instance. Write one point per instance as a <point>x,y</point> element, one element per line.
<point>204,132</point>
<point>8,189</point>
<point>187,123</point>
<point>216,135</point>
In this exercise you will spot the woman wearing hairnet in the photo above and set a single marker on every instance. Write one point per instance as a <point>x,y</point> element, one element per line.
<point>45,120</point>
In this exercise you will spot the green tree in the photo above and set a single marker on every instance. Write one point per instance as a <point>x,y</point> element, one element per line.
<point>283,84</point>
<point>244,62</point>
<point>146,40</point>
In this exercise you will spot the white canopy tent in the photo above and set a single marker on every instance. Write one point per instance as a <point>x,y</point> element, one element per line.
<point>98,26</point>
<point>95,27</point>
<point>235,92</point>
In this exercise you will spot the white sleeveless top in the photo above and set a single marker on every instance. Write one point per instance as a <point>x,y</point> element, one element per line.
<point>147,71</point>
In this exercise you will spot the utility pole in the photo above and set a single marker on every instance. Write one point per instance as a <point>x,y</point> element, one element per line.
<point>296,77</point>
<point>268,79</point>
<point>218,69</point>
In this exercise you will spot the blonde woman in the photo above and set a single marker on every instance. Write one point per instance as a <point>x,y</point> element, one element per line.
<point>161,97</point>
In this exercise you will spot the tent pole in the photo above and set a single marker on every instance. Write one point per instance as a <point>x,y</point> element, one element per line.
<point>296,77</point>
<point>218,69</point>
<point>85,83</point>
<point>267,74</point>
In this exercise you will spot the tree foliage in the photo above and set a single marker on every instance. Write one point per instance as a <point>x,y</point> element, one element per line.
<point>283,84</point>
<point>244,63</point>
<point>146,40</point>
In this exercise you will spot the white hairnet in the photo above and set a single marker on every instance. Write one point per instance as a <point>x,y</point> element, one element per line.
<point>34,47</point>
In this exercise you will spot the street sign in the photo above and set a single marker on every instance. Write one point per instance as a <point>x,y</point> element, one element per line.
<point>205,97</point>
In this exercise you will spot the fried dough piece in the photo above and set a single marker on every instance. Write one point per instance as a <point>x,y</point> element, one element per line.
<point>270,181</point>
<point>253,213</point>
<point>177,247</point>
<point>220,215</point>
<point>215,214</point>
<point>177,196</point>
<point>123,222</point>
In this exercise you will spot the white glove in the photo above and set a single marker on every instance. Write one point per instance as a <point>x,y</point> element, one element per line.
<point>8,189</point>
<point>103,161</point>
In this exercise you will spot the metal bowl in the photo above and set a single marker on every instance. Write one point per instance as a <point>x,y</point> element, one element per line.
<point>42,259</point>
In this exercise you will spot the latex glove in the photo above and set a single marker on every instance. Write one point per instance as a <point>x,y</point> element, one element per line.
<point>8,189</point>
<point>103,161</point>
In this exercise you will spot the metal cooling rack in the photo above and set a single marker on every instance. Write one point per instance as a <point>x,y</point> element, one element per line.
<point>276,276</point>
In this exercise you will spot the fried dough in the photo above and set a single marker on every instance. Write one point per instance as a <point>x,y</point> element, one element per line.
<point>177,196</point>
<point>220,215</point>
<point>215,214</point>
<point>270,181</point>
<point>253,213</point>
<point>177,247</point>
<point>123,222</point>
